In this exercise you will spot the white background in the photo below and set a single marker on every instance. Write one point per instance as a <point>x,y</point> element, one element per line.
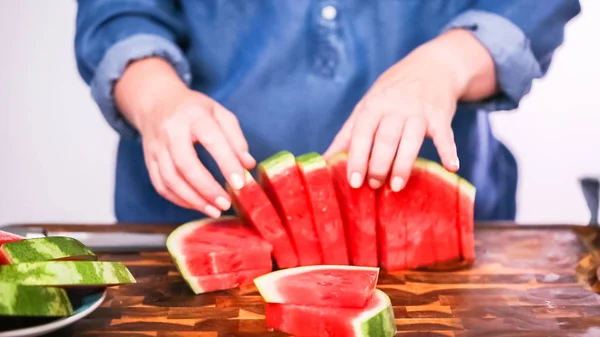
<point>57,153</point>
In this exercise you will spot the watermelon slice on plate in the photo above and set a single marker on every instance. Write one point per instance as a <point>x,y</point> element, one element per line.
<point>466,206</point>
<point>67,273</point>
<point>46,249</point>
<point>375,319</point>
<point>280,179</point>
<point>252,204</point>
<point>324,208</point>
<point>217,246</point>
<point>33,301</point>
<point>325,285</point>
<point>358,213</point>
<point>6,237</point>
<point>209,283</point>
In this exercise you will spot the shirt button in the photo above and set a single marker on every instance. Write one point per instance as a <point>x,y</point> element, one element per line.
<point>329,12</point>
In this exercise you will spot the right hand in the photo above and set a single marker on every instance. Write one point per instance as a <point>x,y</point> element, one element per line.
<point>171,118</point>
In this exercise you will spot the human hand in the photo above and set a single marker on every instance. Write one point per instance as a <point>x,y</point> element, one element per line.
<point>414,98</point>
<point>171,118</point>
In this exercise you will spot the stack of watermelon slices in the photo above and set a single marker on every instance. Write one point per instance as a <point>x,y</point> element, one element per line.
<point>337,301</point>
<point>306,212</point>
<point>36,275</point>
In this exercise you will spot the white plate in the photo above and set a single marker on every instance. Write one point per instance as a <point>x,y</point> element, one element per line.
<point>89,304</point>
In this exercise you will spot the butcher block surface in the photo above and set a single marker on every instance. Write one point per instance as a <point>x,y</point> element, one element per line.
<point>526,281</point>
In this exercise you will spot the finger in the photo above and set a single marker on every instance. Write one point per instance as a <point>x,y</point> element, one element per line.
<point>361,141</point>
<point>234,135</point>
<point>385,148</point>
<point>443,139</point>
<point>179,187</point>
<point>342,139</point>
<point>186,162</point>
<point>210,135</point>
<point>160,187</point>
<point>408,150</point>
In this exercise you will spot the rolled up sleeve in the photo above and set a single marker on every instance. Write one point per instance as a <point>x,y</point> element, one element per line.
<point>112,34</point>
<point>521,37</point>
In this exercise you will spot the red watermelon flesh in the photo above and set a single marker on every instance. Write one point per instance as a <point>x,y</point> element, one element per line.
<point>376,319</point>
<point>209,283</point>
<point>324,207</point>
<point>466,204</point>
<point>215,246</point>
<point>441,209</point>
<point>324,285</point>
<point>358,213</point>
<point>252,204</point>
<point>391,229</point>
<point>6,237</point>
<point>412,210</point>
<point>281,181</point>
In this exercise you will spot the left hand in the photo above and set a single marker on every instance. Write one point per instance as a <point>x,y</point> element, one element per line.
<point>414,98</point>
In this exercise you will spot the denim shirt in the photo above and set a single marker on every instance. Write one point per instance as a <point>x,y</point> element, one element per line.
<point>292,71</point>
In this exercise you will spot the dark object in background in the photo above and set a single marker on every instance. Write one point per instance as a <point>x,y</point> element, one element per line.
<point>591,192</point>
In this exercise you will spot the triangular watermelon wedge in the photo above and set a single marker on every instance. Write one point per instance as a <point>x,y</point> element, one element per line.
<point>441,209</point>
<point>6,237</point>
<point>279,177</point>
<point>324,285</point>
<point>324,207</point>
<point>391,229</point>
<point>375,319</point>
<point>358,212</point>
<point>253,206</point>
<point>215,246</point>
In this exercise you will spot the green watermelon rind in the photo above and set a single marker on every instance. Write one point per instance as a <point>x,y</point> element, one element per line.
<point>67,273</point>
<point>266,284</point>
<point>176,237</point>
<point>46,249</point>
<point>311,161</point>
<point>22,300</point>
<point>377,322</point>
<point>277,163</point>
<point>195,281</point>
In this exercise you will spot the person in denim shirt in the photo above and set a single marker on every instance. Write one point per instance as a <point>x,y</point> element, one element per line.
<point>199,91</point>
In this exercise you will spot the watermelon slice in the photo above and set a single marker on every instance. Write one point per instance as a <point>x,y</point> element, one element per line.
<point>6,237</point>
<point>376,319</point>
<point>325,285</point>
<point>466,205</point>
<point>66,273</point>
<point>215,246</point>
<point>358,213</point>
<point>21,300</point>
<point>252,204</point>
<point>441,209</point>
<point>209,283</point>
<point>280,179</point>
<point>391,229</point>
<point>45,249</point>
<point>324,208</point>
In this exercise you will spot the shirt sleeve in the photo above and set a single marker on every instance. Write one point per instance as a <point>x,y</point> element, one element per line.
<point>521,37</point>
<point>112,33</point>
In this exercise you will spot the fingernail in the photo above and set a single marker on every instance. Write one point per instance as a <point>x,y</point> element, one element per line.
<point>223,203</point>
<point>374,183</point>
<point>355,180</point>
<point>397,184</point>
<point>248,157</point>
<point>212,211</point>
<point>236,181</point>
<point>456,163</point>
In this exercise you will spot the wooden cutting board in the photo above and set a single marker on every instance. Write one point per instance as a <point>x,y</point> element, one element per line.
<point>531,281</point>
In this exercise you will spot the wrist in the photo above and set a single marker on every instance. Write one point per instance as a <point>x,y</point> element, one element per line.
<point>468,63</point>
<point>144,85</point>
